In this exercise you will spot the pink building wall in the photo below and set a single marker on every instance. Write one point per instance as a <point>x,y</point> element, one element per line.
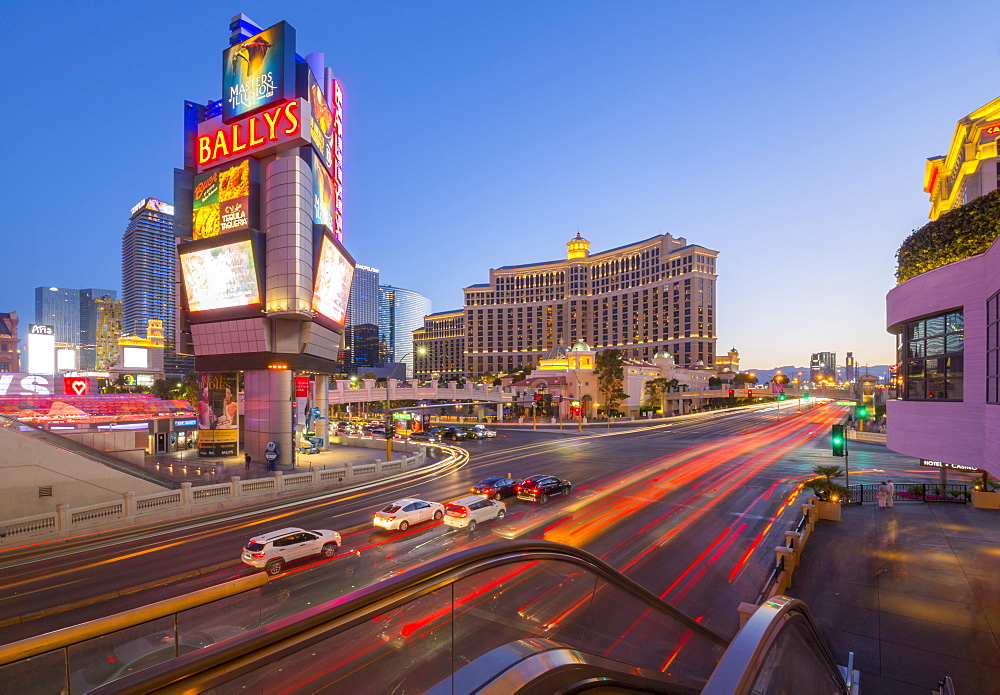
<point>965,433</point>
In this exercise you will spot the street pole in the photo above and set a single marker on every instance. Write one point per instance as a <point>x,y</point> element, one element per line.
<point>388,421</point>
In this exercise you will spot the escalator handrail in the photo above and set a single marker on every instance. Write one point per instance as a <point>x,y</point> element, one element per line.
<point>203,669</point>
<point>72,446</point>
<point>736,671</point>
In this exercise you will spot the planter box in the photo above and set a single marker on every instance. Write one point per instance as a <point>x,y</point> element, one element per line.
<point>828,510</point>
<point>985,500</point>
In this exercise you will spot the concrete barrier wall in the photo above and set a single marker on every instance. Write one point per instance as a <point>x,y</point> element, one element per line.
<point>132,509</point>
<point>30,468</point>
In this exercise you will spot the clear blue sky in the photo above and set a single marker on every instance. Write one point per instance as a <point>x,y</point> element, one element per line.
<point>789,136</point>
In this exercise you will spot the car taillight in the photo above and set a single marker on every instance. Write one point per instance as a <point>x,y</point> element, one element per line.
<point>488,489</point>
<point>256,556</point>
<point>517,487</point>
<point>463,513</point>
<point>535,490</point>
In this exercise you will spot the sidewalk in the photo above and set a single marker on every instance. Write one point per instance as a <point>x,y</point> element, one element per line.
<point>187,467</point>
<point>913,591</point>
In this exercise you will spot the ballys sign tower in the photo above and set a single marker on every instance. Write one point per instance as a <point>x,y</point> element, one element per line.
<point>264,275</point>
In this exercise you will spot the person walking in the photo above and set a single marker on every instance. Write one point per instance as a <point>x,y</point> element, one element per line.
<point>890,490</point>
<point>246,460</point>
<point>880,494</point>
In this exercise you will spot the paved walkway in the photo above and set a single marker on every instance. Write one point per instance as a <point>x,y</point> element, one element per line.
<point>187,466</point>
<point>913,591</point>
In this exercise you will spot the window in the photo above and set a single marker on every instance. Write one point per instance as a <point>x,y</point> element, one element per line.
<point>932,354</point>
<point>993,349</point>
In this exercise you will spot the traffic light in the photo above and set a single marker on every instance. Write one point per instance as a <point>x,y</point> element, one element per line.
<point>781,396</point>
<point>837,440</point>
<point>749,393</point>
<point>862,412</point>
<point>805,396</point>
<point>732,392</point>
<point>538,399</point>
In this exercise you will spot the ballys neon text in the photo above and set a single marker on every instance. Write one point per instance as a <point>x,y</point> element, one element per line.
<point>249,133</point>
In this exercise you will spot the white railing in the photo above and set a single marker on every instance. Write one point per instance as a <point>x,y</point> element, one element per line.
<point>132,509</point>
<point>367,391</point>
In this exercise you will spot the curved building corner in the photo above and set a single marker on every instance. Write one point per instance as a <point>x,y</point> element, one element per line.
<point>947,327</point>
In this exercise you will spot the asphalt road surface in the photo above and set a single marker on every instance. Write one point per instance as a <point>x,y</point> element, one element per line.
<point>691,509</point>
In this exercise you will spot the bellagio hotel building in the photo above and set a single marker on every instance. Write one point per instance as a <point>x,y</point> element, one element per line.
<point>643,298</point>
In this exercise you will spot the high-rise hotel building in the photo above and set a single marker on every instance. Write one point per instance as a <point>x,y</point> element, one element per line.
<point>400,312</point>
<point>642,298</point>
<point>439,346</point>
<point>149,278</point>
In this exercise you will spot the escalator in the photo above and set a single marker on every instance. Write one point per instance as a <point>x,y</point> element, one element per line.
<point>513,617</point>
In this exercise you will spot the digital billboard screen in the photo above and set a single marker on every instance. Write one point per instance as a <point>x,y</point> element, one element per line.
<point>222,201</point>
<point>220,277</point>
<point>321,124</point>
<point>257,71</point>
<point>334,273</point>
<point>135,358</point>
<point>323,200</point>
<point>41,349</point>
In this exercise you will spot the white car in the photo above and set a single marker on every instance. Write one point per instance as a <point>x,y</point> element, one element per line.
<point>402,514</point>
<point>484,432</point>
<point>467,512</point>
<point>272,551</point>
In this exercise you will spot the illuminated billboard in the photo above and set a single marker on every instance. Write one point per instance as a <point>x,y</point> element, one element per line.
<point>154,205</point>
<point>135,358</point>
<point>220,277</point>
<point>322,197</point>
<point>334,273</point>
<point>258,72</point>
<point>41,349</point>
<point>257,135</point>
<point>321,124</point>
<point>222,201</point>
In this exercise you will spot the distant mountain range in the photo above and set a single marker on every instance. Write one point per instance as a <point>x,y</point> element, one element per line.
<point>764,375</point>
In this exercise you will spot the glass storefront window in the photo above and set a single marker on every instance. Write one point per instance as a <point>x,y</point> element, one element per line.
<point>934,363</point>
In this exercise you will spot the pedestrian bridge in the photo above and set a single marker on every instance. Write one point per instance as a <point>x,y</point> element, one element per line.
<point>365,391</point>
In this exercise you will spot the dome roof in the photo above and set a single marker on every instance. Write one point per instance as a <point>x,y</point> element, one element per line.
<point>580,346</point>
<point>556,353</point>
<point>663,355</point>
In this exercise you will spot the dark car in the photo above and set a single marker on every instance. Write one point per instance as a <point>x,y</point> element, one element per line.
<point>451,433</point>
<point>495,488</point>
<point>473,433</point>
<point>539,488</point>
<point>428,437</point>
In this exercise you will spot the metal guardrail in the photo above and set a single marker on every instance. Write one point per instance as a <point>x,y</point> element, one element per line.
<point>955,493</point>
<point>779,565</point>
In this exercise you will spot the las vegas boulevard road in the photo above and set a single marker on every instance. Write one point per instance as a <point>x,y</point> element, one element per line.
<point>691,509</point>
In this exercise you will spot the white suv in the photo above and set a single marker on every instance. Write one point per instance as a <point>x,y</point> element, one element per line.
<point>272,550</point>
<point>467,512</point>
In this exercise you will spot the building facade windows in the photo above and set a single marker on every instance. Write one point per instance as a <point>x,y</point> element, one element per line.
<point>932,352</point>
<point>993,349</point>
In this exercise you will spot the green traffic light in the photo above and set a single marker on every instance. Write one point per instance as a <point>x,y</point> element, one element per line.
<point>837,440</point>
<point>781,397</point>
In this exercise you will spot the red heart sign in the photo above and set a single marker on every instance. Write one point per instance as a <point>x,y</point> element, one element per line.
<point>76,386</point>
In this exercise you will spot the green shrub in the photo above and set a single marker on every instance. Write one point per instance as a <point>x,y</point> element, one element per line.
<point>959,233</point>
